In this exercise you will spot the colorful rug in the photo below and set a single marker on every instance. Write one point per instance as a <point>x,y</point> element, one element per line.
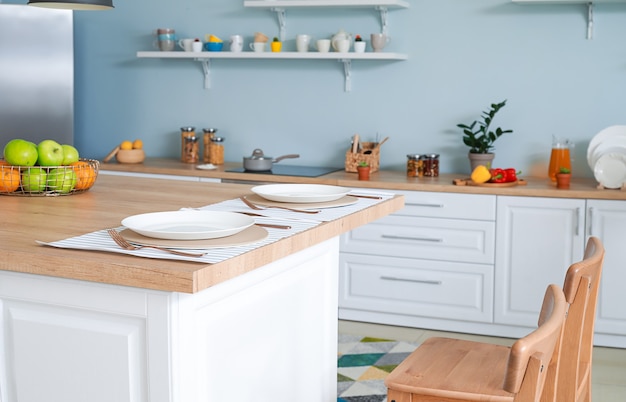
<point>363,364</point>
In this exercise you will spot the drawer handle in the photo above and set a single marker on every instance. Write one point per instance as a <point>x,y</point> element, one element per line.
<point>431,239</point>
<point>392,278</point>
<point>417,204</point>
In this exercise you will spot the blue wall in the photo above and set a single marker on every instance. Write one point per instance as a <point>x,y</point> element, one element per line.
<point>463,56</point>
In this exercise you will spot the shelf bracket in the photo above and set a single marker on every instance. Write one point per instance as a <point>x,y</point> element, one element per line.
<point>590,20</point>
<point>282,21</point>
<point>206,69</point>
<point>383,19</point>
<point>347,72</point>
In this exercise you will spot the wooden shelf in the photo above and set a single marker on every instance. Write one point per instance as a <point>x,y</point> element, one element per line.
<point>206,57</point>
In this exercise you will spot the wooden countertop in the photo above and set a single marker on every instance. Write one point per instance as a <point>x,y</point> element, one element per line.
<point>390,180</point>
<point>26,219</point>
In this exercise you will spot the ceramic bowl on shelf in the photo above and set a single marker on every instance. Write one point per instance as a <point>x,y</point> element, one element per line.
<point>130,156</point>
<point>214,46</point>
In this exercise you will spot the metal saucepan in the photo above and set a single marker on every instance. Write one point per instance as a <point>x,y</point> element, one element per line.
<point>259,162</point>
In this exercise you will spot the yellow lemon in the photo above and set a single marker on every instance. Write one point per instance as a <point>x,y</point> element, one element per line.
<point>137,144</point>
<point>213,38</point>
<point>126,145</point>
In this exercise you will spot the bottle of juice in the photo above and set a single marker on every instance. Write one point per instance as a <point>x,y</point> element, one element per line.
<point>560,156</point>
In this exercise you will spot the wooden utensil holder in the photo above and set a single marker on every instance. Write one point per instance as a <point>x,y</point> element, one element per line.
<point>372,157</point>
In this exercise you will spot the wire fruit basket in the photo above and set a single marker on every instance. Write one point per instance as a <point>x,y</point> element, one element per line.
<point>39,181</point>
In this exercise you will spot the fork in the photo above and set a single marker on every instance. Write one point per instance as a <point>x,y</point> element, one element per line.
<point>123,243</point>
<point>259,208</point>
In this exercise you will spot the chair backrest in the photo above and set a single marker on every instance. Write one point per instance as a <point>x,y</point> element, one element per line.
<point>581,288</point>
<point>530,356</point>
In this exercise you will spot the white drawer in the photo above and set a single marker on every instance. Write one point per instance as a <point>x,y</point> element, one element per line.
<point>416,287</point>
<point>448,205</point>
<point>425,238</point>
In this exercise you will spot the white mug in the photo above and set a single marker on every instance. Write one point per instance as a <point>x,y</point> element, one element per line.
<point>302,42</point>
<point>343,45</point>
<point>185,44</point>
<point>197,46</point>
<point>258,46</point>
<point>323,45</point>
<point>236,43</point>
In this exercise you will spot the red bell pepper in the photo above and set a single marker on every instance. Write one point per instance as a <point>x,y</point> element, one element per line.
<point>497,176</point>
<point>510,175</point>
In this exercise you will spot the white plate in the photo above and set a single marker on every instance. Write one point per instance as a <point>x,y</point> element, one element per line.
<point>613,135</point>
<point>188,225</point>
<point>300,193</point>
<point>610,170</point>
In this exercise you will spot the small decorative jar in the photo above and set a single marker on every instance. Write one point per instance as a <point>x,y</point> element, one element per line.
<point>431,165</point>
<point>414,166</point>
<point>190,149</point>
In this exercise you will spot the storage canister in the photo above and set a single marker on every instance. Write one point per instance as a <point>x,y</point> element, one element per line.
<point>431,165</point>
<point>216,151</point>
<point>208,134</point>
<point>414,166</point>
<point>190,149</point>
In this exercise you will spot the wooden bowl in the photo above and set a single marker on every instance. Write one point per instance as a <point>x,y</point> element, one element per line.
<point>130,156</point>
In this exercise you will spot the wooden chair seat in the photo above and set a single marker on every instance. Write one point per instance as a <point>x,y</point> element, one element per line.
<point>453,370</point>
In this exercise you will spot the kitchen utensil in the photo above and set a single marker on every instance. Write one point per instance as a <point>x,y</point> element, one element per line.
<point>120,241</point>
<point>259,162</point>
<point>270,225</point>
<point>355,144</point>
<point>373,197</point>
<point>258,208</point>
<point>338,37</point>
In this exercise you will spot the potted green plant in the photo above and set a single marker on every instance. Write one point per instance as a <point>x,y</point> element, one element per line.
<point>563,178</point>
<point>276,44</point>
<point>363,170</point>
<point>479,137</point>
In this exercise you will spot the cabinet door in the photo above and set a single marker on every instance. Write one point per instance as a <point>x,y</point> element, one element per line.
<point>536,241</point>
<point>607,221</point>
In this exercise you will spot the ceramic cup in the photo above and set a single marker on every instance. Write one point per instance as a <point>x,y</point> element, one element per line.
<point>302,42</point>
<point>258,46</point>
<point>359,47</point>
<point>342,45</point>
<point>236,43</point>
<point>165,31</point>
<point>197,46</point>
<point>379,41</point>
<point>186,44</point>
<point>323,45</point>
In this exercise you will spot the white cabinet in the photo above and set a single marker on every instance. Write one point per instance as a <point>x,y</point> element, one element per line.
<point>607,221</point>
<point>537,240</point>
<point>425,262</point>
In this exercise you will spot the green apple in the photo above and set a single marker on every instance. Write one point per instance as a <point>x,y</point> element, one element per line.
<point>61,180</point>
<point>50,153</point>
<point>20,152</point>
<point>34,179</point>
<point>70,154</point>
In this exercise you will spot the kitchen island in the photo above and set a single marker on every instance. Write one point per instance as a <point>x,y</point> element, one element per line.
<point>96,326</point>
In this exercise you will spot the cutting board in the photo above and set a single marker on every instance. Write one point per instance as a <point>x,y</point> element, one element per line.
<point>469,182</point>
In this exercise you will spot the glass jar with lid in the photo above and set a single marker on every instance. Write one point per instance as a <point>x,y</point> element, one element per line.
<point>430,165</point>
<point>208,134</point>
<point>414,165</point>
<point>216,150</point>
<point>190,149</point>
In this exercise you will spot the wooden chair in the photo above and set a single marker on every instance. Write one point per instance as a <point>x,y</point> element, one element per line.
<point>569,377</point>
<point>447,370</point>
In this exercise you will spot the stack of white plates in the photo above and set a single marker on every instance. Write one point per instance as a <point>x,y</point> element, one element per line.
<point>606,156</point>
